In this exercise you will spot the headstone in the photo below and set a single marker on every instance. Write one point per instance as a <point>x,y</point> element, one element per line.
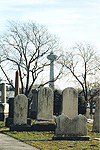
<point>9,120</point>
<point>96,122</point>
<point>20,113</point>
<point>20,109</point>
<point>44,120</point>
<point>11,107</point>
<point>34,106</point>
<point>45,104</point>
<point>71,129</point>
<point>70,102</point>
<point>4,107</point>
<point>3,93</point>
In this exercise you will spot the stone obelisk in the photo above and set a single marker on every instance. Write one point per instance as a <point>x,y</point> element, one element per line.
<point>51,57</point>
<point>17,83</point>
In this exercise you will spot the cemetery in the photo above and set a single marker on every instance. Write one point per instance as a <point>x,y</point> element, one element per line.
<point>39,126</point>
<point>69,126</point>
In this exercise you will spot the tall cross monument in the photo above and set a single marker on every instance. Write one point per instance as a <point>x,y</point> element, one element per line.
<point>51,57</point>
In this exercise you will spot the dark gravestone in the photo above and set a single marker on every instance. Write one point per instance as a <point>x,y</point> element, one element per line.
<point>34,106</point>
<point>9,120</point>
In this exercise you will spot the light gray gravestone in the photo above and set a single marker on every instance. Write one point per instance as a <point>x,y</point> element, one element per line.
<point>20,109</point>
<point>71,129</point>
<point>4,107</point>
<point>44,120</point>
<point>45,104</point>
<point>70,102</point>
<point>96,122</point>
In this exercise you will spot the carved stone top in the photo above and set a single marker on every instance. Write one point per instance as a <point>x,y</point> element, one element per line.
<point>52,56</point>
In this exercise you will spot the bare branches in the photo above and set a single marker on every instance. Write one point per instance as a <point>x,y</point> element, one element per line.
<point>80,61</point>
<point>26,46</point>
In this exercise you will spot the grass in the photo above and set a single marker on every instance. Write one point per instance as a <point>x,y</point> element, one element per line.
<point>43,140</point>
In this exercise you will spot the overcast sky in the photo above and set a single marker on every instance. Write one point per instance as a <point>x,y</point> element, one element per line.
<point>71,20</point>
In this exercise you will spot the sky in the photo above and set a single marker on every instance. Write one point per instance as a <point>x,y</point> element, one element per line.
<point>70,20</point>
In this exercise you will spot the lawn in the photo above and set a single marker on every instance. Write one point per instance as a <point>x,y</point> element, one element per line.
<point>43,140</point>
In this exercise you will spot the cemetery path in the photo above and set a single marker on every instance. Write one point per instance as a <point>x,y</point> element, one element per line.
<point>9,143</point>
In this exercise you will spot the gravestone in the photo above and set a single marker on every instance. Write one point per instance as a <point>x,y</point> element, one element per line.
<point>96,122</point>
<point>20,113</point>
<point>4,107</point>
<point>70,102</point>
<point>44,120</point>
<point>34,106</point>
<point>71,129</point>
<point>20,109</point>
<point>9,120</point>
<point>3,93</point>
<point>45,104</point>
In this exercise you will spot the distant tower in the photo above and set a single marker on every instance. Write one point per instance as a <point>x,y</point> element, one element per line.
<point>51,57</point>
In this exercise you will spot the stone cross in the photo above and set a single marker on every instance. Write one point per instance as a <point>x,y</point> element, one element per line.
<point>51,57</point>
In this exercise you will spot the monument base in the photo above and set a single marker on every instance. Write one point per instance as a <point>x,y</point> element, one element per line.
<point>33,114</point>
<point>8,122</point>
<point>76,138</point>
<point>25,127</point>
<point>43,126</point>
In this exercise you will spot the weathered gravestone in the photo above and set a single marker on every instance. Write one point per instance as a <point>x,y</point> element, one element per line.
<point>20,113</point>
<point>70,102</point>
<point>96,122</point>
<point>44,120</point>
<point>71,129</point>
<point>4,107</point>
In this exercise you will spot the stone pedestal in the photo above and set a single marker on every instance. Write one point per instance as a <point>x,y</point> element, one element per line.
<point>43,126</point>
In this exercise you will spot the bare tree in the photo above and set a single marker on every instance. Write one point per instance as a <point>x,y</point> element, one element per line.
<point>81,62</point>
<point>25,47</point>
